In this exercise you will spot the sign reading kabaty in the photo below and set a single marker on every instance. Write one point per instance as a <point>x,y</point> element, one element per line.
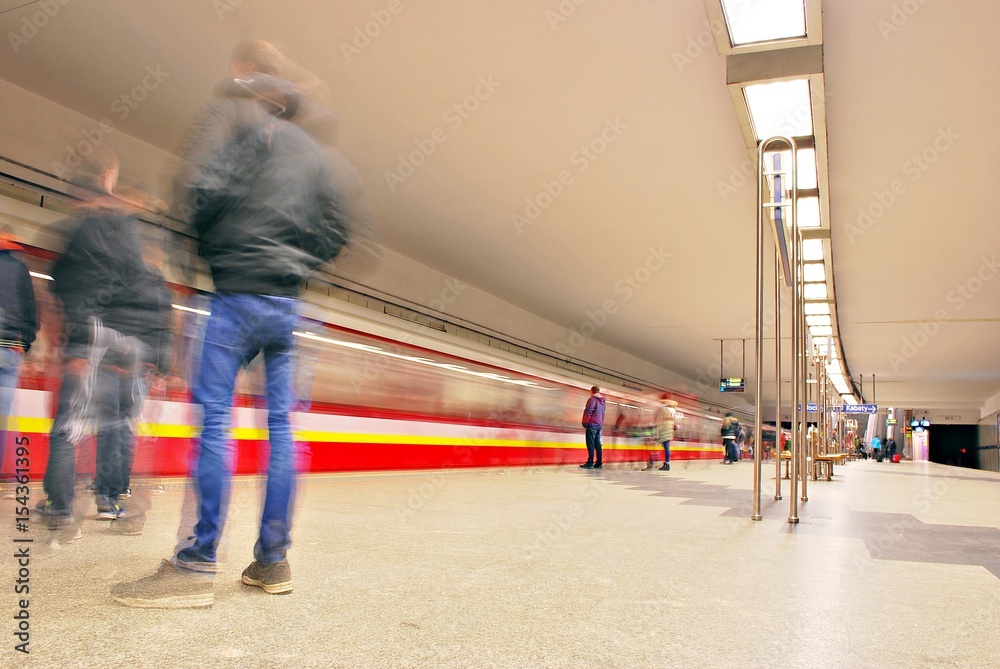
<point>859,408</point>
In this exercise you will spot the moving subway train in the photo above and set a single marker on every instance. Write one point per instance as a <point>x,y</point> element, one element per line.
<point>370,395</point>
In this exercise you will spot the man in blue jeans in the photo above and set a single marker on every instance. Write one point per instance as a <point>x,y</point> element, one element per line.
<point>593,421</point>
<point>259,194</point>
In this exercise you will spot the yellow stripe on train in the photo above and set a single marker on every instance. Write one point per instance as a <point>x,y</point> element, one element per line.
<point>44,426</point>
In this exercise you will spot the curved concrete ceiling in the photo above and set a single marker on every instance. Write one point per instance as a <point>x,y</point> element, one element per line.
<point>566,153</point>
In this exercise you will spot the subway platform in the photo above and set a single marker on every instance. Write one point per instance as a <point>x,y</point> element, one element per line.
<point>892,565</point>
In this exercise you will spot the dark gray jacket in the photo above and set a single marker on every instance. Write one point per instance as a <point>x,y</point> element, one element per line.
<point>18,319</point>
<point>102,275</point>
<point>258,191</point>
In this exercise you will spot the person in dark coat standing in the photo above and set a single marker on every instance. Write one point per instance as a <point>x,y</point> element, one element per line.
<point>260,197</point>
<point>730,432</point>
<point>593,421</point>
<point>18,327</point>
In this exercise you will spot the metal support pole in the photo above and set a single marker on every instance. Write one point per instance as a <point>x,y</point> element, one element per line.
<point>798,344</point>
<point>758,368</point>
<point>800,314</point>
<point>758,363</point>
<point>777,379</point>
<point>775,211</point>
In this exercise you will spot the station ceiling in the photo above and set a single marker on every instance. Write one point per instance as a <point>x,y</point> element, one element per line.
<point>582,159</point>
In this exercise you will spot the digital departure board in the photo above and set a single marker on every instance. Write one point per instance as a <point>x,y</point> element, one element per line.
<point>734,384</point>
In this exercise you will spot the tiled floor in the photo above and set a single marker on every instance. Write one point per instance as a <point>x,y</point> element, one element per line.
<point>890,566</point>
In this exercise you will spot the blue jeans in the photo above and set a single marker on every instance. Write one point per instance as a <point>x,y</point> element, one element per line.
<point>71,415</point>
<point>119,390</point>
<point>595,455</point>
<point>10,372</point>
<point>239,328</point>
<point>666,451</point>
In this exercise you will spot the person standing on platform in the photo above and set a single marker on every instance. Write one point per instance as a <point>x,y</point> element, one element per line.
<point>593,421</point>
<point>259,195</point>
<point>666,419</point>
<point>730,430</point>
<point>18,326</point>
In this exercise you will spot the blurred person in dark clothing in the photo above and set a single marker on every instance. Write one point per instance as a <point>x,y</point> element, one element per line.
<point>362,253</point>
<point>18,326</point>
<point>117,326</point>
<point>259,195</point>
<point>730,432</point>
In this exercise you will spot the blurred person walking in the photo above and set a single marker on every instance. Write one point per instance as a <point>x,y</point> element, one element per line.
<point>876,448</point>
<point>258,193</point>
<point>665,421</point>
<point>116,320</point>
<point>18,327</point>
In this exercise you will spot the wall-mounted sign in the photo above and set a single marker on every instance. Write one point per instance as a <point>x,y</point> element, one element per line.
<point>733,384</point>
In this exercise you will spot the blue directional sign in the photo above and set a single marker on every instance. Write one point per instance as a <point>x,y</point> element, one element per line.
<point>859,408</point>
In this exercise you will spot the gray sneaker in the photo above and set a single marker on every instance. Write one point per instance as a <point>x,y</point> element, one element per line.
<point>275,579</point>
<point>168,588</point>
<point>63,530</point>
<point>128,525</point>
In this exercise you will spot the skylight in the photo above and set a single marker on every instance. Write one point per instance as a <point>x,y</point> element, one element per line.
<point>780,108</point>
<point>752,21</point>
